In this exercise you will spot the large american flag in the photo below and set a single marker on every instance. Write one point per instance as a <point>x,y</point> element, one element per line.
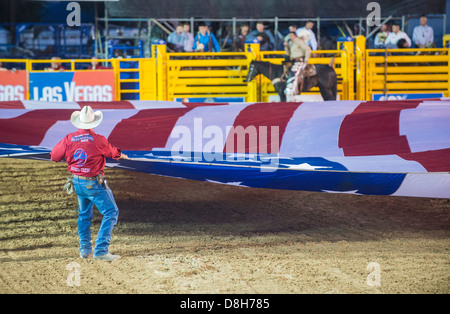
<point>360,147</point>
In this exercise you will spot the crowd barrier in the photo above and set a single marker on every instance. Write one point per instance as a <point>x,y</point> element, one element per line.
<point>421,73</point>
<point>208,77</point>
<point>362,74</point>
<point>116,79</point>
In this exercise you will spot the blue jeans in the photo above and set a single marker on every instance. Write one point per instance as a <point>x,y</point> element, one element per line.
<point>91,193</point>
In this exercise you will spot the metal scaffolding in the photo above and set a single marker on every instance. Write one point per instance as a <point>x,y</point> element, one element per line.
<point>166,26</point>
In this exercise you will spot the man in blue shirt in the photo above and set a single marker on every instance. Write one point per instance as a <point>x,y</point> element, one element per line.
<point>271,44</point>
<point>177,39</point>
<point>423,35</point>
<point>312,42</point>
<point>205,41</point>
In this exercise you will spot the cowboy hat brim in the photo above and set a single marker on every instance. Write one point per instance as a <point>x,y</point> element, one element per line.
<point>75,119</point>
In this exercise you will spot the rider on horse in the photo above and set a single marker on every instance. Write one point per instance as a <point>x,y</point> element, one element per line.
<point>299,52</point>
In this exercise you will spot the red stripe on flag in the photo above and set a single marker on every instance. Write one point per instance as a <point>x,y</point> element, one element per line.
<point>11,105</point>
<point>98,105</point>
<point>373,129</point>
<point>254,126</point>
<point>31,127</point>
<point>433,160</point>
<point>147,129</point>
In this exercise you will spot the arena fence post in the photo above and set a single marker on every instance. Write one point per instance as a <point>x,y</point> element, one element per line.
<point>159,53</point>
<point>347,67</point>
<point>147,79</point>
<point>252,52</point>
<point>360,60</point>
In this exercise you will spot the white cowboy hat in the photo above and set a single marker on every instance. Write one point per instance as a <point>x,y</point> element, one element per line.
<point>305,34</point>
<point>86,118</point>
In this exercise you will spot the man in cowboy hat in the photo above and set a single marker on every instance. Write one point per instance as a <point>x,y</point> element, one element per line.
<point>85,153</point>
<point>300,52</point>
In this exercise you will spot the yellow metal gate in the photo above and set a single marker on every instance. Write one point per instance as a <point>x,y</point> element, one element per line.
<point>399,73</point>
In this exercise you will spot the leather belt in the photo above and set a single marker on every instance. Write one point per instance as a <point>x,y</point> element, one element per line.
<point>85,178</point>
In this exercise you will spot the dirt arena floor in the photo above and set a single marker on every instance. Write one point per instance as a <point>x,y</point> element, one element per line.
<point>180,236</point>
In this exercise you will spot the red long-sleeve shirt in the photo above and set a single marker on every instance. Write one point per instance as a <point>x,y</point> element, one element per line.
<point>85,152</point>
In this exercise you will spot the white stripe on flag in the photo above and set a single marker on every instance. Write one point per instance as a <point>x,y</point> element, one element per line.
<point>382,163</point>
<point>425,185</point>
<point>426,127</point>
<point>212,119</point>
<point>11,113</point>
<point>313,130</point>
<point>31,105</point>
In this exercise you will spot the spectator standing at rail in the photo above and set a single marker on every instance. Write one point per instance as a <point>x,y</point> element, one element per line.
<point>189,43</point>
<point>55,65</point>
<point>395,36</point>
<point>205,41</point>
<point>96,66</point>
<point>380,38</point>
<point>260,28</point>
<point>312,42</point>
<point>423,35</point>
<point>177,39</point>
<point>264,41</point>
<point>239,39</point>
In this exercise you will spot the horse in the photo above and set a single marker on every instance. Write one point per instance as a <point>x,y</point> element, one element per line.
<point>325,79</point>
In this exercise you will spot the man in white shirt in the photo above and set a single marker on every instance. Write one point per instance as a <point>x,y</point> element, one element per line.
<point>312,42</point>
<point>189,37</point>
<point>423,35</point>
<point>395,36</point>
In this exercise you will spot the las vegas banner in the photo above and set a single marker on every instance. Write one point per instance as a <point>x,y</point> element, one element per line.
<point>13,85</point>
<point>72,86</point>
